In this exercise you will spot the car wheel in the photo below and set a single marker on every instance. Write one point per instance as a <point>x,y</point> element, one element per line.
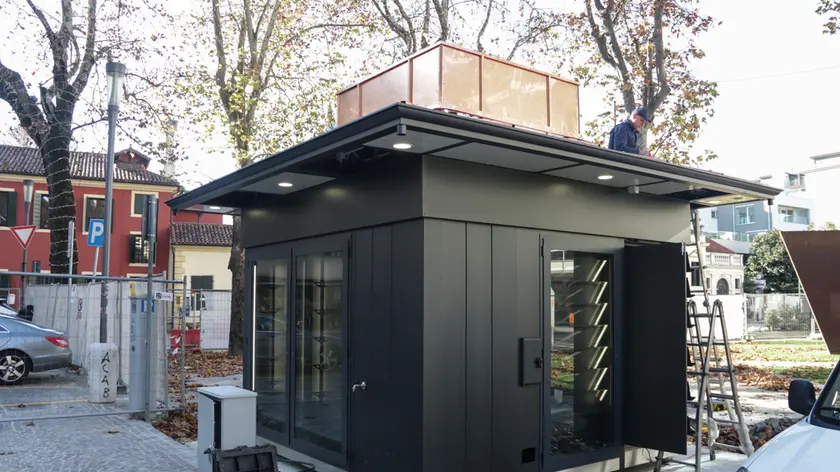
<point>14,367</point>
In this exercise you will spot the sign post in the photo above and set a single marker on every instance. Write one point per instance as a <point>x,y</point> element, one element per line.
<point>71,235</point>
<point>23,235</point>
<point>103,355</point>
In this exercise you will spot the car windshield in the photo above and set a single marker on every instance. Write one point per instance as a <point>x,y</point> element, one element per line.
<point>828,407</point>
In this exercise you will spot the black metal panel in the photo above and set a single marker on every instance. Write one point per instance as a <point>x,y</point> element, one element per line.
<point>364,328</point>
<point>479,349</point>
<point>516,314</point>
<point>463,191</point>
<point>444,345</point>
<point>654,338</point>
<point>389,193</point>
<point>406,362</point>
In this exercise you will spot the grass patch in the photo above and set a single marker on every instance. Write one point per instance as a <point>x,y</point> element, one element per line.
<point>562,371</point>
<point>814,374</point>
<point>782,351</point>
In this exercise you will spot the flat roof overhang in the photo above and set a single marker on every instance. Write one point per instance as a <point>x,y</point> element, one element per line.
<point>370,138</point>
<point>815,256</point>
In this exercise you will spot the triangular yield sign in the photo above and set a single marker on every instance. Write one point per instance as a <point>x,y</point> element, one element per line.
<point>23,234</point>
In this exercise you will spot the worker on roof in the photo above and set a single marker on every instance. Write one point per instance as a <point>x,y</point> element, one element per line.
<point>626,137</point>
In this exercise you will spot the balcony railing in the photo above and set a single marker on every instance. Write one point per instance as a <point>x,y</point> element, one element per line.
<point>732,236</point>
<point>800,220</point>
<point>724,259</point>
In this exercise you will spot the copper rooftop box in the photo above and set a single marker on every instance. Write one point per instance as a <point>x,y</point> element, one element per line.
<point>446,77</point>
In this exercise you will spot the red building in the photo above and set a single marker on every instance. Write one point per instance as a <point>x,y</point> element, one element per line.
<point>133,183</point>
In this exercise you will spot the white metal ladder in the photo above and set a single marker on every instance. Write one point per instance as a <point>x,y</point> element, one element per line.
<point>716,384</point>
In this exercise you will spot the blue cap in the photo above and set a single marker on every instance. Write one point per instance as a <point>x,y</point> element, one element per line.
<point>641,112</point>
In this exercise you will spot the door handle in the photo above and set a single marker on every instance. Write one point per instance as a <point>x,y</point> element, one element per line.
<point>362,385</point>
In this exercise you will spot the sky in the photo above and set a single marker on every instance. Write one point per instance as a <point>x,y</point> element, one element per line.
<point>777,75</point>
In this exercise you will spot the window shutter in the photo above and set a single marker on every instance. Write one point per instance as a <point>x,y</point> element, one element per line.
<point>132,249</point>
<point>11,199</point>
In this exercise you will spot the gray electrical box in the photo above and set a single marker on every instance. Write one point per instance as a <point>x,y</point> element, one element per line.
<point>227,419</point>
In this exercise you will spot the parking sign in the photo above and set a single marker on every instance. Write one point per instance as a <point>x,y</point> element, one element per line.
<point>96,233</point>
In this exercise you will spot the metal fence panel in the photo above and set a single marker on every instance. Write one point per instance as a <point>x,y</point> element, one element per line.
<point>779,315</point>
<point>72,314</point>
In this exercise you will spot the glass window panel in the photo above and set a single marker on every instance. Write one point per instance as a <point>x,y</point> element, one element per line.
<point>580,401</point>
<point>319,354</point>
<point>270,321</point>
<point>140,203</point>
<point>94,210</point>
<point>5,211</point>
<point>41,213</point>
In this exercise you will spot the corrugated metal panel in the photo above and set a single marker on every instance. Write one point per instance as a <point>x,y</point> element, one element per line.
<point>816,256</point>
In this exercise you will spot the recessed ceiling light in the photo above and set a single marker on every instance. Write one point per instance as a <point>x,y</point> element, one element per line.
<point>215,208</point>
<point>402,146</point>
<point>285,184</point>
<point>605,177</point>
<point>714,202</point>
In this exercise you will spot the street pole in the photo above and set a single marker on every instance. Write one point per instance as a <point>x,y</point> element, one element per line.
<point>116,74</point>
<point>150,234</point>
<point>28,186</point>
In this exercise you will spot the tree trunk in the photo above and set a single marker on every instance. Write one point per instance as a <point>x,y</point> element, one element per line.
<point>237,292</point>
<point>55,153</point>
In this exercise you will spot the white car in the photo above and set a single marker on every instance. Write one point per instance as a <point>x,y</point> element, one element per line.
<point>807,446</point>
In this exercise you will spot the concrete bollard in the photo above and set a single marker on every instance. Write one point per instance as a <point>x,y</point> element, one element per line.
<point>102,375</point>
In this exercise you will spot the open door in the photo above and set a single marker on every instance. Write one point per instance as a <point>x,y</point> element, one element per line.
<point>654,335</point>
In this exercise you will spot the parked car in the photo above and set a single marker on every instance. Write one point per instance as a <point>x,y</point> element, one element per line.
<point>5,309</point>
<point>809,444</point>
<point>26,347</point>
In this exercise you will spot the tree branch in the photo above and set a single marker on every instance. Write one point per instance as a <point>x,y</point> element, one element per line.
<point>442,10</point>
<point>409,24</point>
<point>392,23</point>
<point>100,120</point>
<point>483,26</point>
<point>43,19</point>
<point>89,58</point>
<point>427,20</point>
<point>269,32</point>
<point>661,75</point>
<point>13,91</point>
<point>221,69</point>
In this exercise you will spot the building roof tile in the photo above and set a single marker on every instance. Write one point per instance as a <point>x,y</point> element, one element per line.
<point>202,234</point>
<point>83,166</point>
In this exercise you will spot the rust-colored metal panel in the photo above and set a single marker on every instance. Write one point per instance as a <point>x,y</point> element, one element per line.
<point>348,105</point>
<point>514,95</point>
<point>385,89</point>
<point>426,79</point>
<point>815,256</point>
<point>444,76</point>
<point>565,109</point>
<point>461,80</point>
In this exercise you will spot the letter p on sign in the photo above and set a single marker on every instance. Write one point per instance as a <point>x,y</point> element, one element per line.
<point>96,233</point>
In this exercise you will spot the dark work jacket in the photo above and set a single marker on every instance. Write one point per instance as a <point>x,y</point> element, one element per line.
<point>624,137</point>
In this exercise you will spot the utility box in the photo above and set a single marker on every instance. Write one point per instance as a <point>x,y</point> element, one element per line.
<point>227,419</point>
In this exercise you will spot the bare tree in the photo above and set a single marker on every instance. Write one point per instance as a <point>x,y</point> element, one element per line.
<point>68,43</point>
<point>48,118</point>
<point>269,84</point>
<point>516,29</point>
<point>630,50</point>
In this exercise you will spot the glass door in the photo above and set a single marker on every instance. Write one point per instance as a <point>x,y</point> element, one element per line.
<point>299,345</point>
<point>320,387</point>
<point>270,346</point>
<point>578,401</point>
